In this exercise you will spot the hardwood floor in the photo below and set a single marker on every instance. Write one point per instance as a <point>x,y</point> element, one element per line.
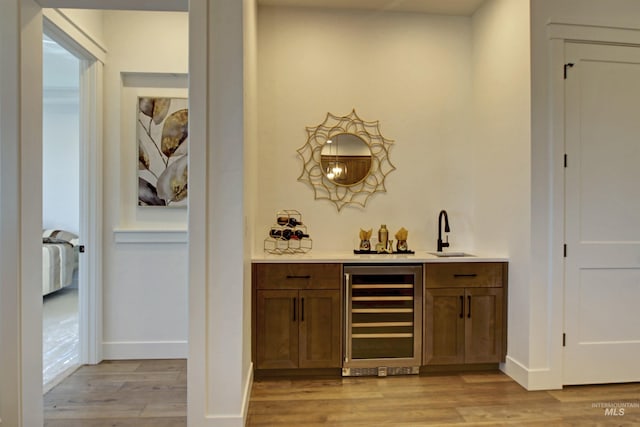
<point>137,393</point>
<point>153,393</point>
<point>475,399</point>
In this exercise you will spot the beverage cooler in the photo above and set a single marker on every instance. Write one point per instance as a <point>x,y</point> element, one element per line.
<point>383,319</point>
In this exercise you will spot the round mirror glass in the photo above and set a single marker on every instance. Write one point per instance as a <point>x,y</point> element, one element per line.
<point>345,159</point>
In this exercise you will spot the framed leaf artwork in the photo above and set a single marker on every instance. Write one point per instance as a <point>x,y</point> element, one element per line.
<point>163,143</point>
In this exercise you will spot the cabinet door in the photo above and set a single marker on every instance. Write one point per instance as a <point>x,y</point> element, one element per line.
<point>484,325</point>
<point>277,329</point>
<point>320,331</point>
<point>444,327</point>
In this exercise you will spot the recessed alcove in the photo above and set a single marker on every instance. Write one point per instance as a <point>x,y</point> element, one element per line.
<point>444,87</point>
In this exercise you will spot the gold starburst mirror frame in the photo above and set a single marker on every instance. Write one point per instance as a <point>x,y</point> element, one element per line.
<point>345,160</point>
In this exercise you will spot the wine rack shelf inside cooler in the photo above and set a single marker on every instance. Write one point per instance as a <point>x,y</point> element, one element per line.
<point>384,313</point>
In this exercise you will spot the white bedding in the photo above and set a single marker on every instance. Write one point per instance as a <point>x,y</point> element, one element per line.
<point>59,260</point>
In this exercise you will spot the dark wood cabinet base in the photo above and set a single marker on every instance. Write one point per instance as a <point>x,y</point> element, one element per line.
<point>298,318</point>
<point>469,367</point>
<point>297,373</point>
<point>337,373</point>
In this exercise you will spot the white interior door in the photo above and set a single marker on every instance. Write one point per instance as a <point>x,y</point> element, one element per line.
<point>602,214</point>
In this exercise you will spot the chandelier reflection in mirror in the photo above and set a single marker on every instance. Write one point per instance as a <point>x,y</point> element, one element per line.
<point>345,160</point>
<point>334,167</point>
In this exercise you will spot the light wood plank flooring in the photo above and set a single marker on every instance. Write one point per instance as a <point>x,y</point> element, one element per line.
<point>153,393</point>
<point>128,393</point>
<point>473,399</point>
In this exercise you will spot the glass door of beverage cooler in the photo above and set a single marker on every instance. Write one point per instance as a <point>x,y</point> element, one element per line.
<point>383,313</point>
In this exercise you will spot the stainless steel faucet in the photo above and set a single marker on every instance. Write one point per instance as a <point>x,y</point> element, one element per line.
<point>442,244</point>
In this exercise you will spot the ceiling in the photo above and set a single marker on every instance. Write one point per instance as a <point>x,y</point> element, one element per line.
<point>155,5</point>
<point>438,7</point>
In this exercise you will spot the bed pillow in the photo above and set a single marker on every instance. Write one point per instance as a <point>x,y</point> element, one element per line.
<point>59,236</point>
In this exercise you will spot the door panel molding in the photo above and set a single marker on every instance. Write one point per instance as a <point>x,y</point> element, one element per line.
<point>601,275</point>
<point>549,374</point>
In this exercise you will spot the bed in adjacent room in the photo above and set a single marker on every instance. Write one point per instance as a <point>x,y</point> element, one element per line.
<point>59,259</point>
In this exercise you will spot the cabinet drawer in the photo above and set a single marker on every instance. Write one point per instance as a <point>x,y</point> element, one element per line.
<point>298,276</point>
<point>464,275</point>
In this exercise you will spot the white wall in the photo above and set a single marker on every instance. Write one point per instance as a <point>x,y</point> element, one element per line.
<point>20,214</point>
<point>61,162</point>
<point>88,21</point>
<point>10,387</point>
<point>145,270</point>
<point>411,72</point>
<point>219,305</point>
<point>250,161</point>
<point>501,151</point>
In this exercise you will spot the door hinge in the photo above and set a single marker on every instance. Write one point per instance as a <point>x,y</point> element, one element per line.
<point>566,66</point>
<point>564,340</point>
<point>81,249</point>
<point>565,160</point>
<point>565,250</point>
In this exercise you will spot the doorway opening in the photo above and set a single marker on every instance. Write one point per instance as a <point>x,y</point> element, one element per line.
<point>61,212</point>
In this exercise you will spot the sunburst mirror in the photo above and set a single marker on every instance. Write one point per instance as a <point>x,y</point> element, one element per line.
<point>345,160</point>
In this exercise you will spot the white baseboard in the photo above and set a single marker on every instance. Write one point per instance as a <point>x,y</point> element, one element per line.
<point>531,379</point>
<point>517,371</point>
<point>119,350</point>
<point>233,420</point>
<point>222,421</point>
<point>247,393</point>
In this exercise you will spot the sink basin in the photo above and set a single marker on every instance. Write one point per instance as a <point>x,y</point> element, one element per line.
<point>451,254</point>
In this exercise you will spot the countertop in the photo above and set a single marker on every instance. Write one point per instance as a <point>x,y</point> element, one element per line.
<point>351,258</point>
